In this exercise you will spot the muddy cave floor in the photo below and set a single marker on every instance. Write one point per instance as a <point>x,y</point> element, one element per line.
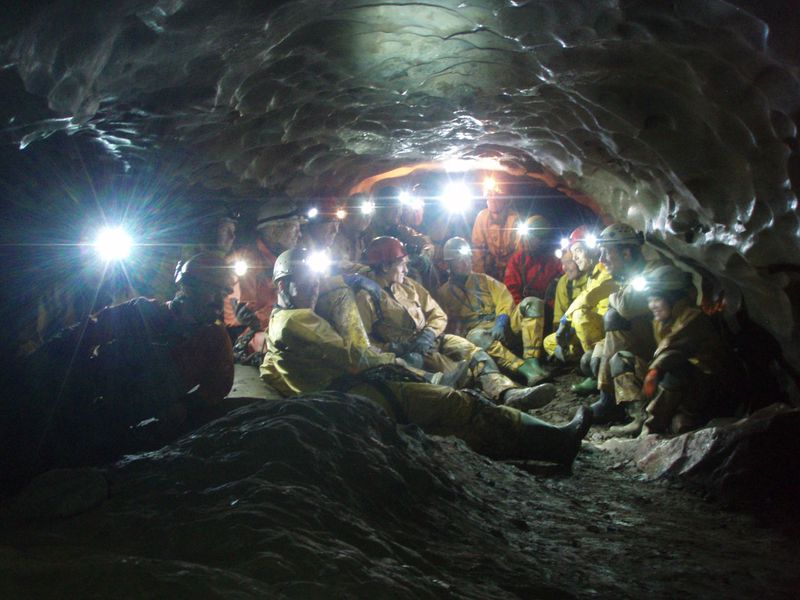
<point>526,531</point>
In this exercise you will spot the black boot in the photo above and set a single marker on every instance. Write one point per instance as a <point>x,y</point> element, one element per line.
<point>606,410</point>
<point>543,441</point>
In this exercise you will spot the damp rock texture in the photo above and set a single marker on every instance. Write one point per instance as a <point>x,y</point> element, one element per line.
<point>324,497</point>
<point>674,116</point>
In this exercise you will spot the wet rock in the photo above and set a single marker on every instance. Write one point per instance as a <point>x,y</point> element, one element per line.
<point>750,461</point>
<point>60,493</point>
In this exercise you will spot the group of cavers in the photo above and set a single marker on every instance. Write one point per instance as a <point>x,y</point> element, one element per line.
<point>460,338</point>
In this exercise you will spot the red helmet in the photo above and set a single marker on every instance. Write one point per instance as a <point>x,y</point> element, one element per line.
<point>384,250</point>
<point>578,235</point>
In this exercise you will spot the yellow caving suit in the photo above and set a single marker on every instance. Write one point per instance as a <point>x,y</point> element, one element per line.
<point>567,290</point>
<point>493,242</point>
<point>689,346</point>
<point>477,304</point>
<point>305,354</point>
<point>638,339</point>
<point>405,310</point>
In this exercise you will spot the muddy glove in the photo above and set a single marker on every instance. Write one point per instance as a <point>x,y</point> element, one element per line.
<point>424,342</point>
<point>531,307</point>
<point>245,315</point>
<point>499,328</point>
<point>651,380</point>
<point>397,348</point>
<point>564,332</point>
<point>361,282</point>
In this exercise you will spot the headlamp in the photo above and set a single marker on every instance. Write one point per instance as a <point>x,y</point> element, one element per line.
<point>240,267</point>
<point>456,197</point>
<point>367,207</point>
<point>464,251</point>
<point>639,283</point>
<point>410,200</point>
<point>559,252</point>
<point>341,214</point>
<point>590,240</point>
<point>523,229</point>
<point>489,186</point>
<point>564,244</point>
<point>319,262</point>
<point>113,243</point>
<point>312,212</point>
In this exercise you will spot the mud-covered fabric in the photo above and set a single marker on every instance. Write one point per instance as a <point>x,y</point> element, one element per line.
<point>493,243</point>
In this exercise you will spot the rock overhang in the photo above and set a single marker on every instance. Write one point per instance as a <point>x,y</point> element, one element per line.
<point>673,116</point>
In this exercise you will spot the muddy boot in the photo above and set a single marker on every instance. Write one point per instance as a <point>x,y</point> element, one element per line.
<point>543,441</point>
<point>533,371</point>
<point>605,410</point>
<point>530,397</point>
<point>587,387</point>
<point>636,413</point>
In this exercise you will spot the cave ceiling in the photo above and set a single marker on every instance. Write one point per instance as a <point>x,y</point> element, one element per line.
<point>678,116</point>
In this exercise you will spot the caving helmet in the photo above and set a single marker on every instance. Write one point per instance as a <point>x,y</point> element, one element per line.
<point>620,234</point>
<point>667,280</point>
<point>384,250</point>
<point>205,269</point>
<point>455,248</point>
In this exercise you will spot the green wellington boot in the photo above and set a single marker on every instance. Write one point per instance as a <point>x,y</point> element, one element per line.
<point>587,387</point>
<point>533,371</point>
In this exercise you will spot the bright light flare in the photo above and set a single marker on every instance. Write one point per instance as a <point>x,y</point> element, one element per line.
<point>564,244</point>
<point>113,243</point>
<point>456,197</point>
<point>465,251</point>
<point>312,212</point>
<point>523,229</point>
<point>559,252</point>
<point>490,186</point>
<point>367,207</point>
<point>639,283</point>
<point>410,200</point>
<point>240,267</point>
<point>341,214</point>
<point>319,262</point>
<point>590,241</point>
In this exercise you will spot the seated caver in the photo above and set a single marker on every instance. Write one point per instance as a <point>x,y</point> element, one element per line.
<point>407,321</point>
<point>305,354</point>
<point>481,309</point>
<point>570,285</point>
<point>582,321</point>
<point>88,389</point>
<point>622,356</point>
<point>685,385</point>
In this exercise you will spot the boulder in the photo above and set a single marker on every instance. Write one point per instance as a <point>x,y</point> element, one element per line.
<point>750,461</point>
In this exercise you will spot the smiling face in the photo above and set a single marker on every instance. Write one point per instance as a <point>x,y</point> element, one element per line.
<point>582,257</point>
<point>570,268</point>
<point>660,307</point>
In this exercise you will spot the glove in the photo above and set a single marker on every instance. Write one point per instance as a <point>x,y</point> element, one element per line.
<point>559,354</point>
<point>564,333</point>
<point>499,327</point>
<point>245,315</point>
<point>360,282</point>
<point>531,307</point>
<point>651,383</point>
<point>424,342</point>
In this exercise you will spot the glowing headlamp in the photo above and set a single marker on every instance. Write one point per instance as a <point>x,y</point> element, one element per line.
<point>559,252</point>
<point>312,212</point>
<point>590,240</point>
<point>639,283</point>
<point>240,267</point>
<point>489,186</point>
<point>456,197</point>
<point>113,243</point>
<point>523,229</point>
<point>319,262</point>
<point>464,251</point>
<point>341,214</point>
<point>367,207</point>
<point>564,243</point>
<point>410,200</point>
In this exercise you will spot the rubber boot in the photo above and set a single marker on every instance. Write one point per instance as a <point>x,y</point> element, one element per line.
<point>587,387</point>
<point>605,410</point>
<point>543,441</point>
<point>533,371</point>
<point>529,397</point>
<point>635,411</point>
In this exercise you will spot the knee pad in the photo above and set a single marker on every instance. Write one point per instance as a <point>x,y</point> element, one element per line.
<point>489,366</point>
<point>613,321</point>
<point>532,307</point>
<point>586,364</point>
<point>622,362</point>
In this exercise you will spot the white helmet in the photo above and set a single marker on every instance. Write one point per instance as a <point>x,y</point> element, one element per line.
<point>455,248</point>
<point>620,234</point>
